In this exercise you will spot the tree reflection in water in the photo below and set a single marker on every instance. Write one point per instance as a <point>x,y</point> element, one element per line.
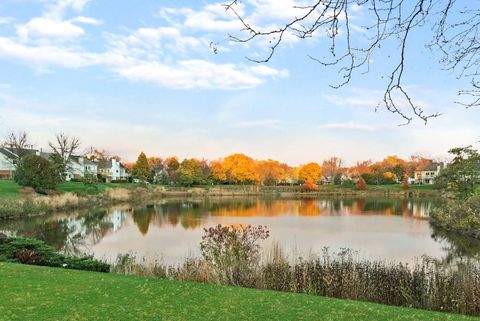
<point>458,247</point>
<point>74,233</point>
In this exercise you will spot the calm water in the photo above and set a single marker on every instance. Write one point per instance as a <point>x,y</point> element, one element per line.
<point>378,228</point>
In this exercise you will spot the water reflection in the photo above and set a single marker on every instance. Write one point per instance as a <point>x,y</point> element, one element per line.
<point>380,228</point>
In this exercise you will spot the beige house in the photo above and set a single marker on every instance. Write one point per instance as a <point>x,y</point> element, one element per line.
<point>426,174</point>
<point>112,170</point>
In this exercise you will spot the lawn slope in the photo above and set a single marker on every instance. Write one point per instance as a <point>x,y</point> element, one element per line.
<point>39,293</point>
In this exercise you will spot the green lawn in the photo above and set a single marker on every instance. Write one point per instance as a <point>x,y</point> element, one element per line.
<point>9,189</point>
<point>39,293</point>
<point>399,186</point>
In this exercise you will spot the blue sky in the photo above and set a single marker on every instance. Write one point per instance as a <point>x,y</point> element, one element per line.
<point>127,76</point>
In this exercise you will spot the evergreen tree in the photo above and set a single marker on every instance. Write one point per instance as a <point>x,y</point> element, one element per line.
<point>141,170</point>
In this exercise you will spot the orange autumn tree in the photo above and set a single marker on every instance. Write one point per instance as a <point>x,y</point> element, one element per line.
<point>312,171</point>
<point>217,172</point>
<point>271,172</point>
<point>240,169</point>
<point>360,168</point>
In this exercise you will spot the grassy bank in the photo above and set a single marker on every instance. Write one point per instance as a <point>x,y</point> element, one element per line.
<point>9,189</point>
<point>16,203</point>
<point>39,293</point>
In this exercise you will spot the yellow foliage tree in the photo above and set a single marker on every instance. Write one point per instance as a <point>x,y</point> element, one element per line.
<point>218,172</point>
<point>312,171</point>
<point>271,172</point>
<point>240,169</point>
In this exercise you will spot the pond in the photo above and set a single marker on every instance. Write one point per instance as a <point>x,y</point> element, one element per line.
<point>171,229</point>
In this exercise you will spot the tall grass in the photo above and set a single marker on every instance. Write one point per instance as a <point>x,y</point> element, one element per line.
<point>427,284</point>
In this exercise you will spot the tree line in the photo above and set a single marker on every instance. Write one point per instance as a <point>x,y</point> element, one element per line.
<point>242,169</point>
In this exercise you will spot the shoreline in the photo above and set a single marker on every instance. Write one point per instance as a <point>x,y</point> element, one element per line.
<point>35,205</point>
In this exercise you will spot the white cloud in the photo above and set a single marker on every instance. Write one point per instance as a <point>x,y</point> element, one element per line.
<point>58,9</point>
<point>211,17</point>
<point>268,123</point>
<point>5,20</point>
<point>44,56</point>
<point>189,74</point>
<point>352,101</point>
<point>48,28</point>
<point>155,42</point>
<point>87,20</point>
<point>353,126</point>
<point>171,56</point>
<point>263,70</point>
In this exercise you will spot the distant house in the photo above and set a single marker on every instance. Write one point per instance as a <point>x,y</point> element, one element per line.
<point>9,159</point>
<point>78,166</point>
<point>112,170</point>
<point>7,163</point>
<point>427,173</point>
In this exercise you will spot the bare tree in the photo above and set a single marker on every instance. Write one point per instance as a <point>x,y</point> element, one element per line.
<point>455,25</point>
<point>18,144</point>
<point>64,146</point>
<point>15,142</point>
<point>332,166</point>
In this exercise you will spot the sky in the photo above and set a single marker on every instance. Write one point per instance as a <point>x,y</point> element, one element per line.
<point>131,76</point>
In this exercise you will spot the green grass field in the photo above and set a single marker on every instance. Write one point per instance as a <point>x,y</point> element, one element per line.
<point>9,189</point>
<point>41,294</point>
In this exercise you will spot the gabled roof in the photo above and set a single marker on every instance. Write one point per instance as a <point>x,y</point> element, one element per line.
<point>89,162</point>
<point>105,164</point>
<point>8,153</point>
<point>430,167</point>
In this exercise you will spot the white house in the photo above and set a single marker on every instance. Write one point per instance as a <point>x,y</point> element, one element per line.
<point>7,163</point>
<point>112,170</point>
<point>426,174</point>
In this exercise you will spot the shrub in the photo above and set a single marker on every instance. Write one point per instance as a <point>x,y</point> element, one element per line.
<point>233,252</point>
<point>462,216</point>
<point>90,180</point>
<point>120,181</point>
<point>361,185</point>
<point>309,185</point>
<point>86,263</point>
<point>405,185</point>
<point>337,179</point>
<point>29,251</point>
<point>38,173</point>
<point>35,252</point>
<point>348,183</point>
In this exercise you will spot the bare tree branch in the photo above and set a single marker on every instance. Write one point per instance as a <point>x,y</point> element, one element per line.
<point>455,29</point>
<point>65,146</point>
<point>15,142</point>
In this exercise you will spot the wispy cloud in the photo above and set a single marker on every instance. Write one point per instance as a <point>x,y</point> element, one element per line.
<point>267,123</point>
<point>6,20</point>
<point>352,101</point>
<point>354,126</point>
<point>190,74</point>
